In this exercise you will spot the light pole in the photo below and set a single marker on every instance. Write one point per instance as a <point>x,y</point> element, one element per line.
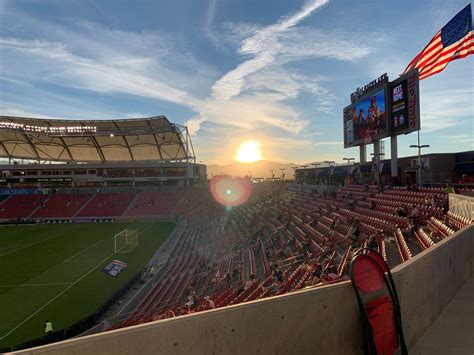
<point>303,183</point>
<point>377,162</point>
<point>419,146</point>
<point>329,162</point>
<point>348,163</point>
<point>282,173</point>
<point>273,174</point>
<point>315,165</point>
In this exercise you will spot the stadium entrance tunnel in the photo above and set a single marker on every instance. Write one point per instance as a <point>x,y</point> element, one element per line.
<point>230,192</point>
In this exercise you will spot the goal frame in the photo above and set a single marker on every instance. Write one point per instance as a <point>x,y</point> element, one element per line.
<point>131,237</point>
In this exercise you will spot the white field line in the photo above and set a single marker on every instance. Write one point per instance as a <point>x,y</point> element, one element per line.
<point>81,261</point>
<point>62,292</point>
<point>12,250</point>
<point>33,285</point>
<point>30,245</point>
<point>14,246</point>
<point>82,251</point>
<point>53,299</point>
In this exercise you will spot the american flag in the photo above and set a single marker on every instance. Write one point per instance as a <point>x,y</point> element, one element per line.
<point>454,41</point>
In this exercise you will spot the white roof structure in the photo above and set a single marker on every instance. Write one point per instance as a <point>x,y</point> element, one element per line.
<point>127,140</point>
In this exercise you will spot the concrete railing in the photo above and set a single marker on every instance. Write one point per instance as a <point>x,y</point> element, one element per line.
<point>322,320</point>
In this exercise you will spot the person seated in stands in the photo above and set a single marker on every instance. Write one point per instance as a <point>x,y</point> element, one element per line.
<point>186,310</point>
<point>354,233</point>
<point>287,250</point>
<point>208,303</point>
<point>372,205</point>
<point>190,302</point>
<point>278,274</point>
<point>401,211</point>
<point>366,187</point>
<point>240,289</point>
<point>170,314</point>
<point>250,281</point>
<point>448,189</point>
<point>227,280</point>
<point>415,214</point>
<point>306,245</point>
<point>374,239</point>
<point>351,204</point>
<point>324,278</point>
<point>334,223</point>
<point>437,201</point>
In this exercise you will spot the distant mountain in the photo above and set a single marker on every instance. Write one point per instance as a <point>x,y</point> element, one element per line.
<point>258,169</point>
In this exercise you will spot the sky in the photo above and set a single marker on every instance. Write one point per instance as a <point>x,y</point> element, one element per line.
<point>279,72</point>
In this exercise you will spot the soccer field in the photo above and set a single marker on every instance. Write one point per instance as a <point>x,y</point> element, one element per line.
<point>55,272</point>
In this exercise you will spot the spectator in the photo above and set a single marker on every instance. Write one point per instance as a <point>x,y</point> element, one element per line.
<point>354,233</point>
<point>401,212</point>
<point>170,314</point>
<point>448,189</point>
<point>324,278</point>
<point>415,214</point>
<point>372,204</point>
<point>250,281</point>
<point>48,327</point>
<point>228,280</point>
<point>278,274</point>
<point>209,304</point>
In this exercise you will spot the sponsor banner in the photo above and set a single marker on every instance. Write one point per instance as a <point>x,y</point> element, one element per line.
<point>20,191</point>
<point>39,179</point>
<point>114,268</point>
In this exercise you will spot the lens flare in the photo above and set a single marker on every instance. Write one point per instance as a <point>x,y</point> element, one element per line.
<point>230,192</point>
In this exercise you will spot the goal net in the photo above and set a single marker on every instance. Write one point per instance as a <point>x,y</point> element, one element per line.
<point>126,240</point>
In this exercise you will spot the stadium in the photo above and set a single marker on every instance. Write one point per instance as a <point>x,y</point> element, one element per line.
<point>127,195</point>
<point>116,238</point>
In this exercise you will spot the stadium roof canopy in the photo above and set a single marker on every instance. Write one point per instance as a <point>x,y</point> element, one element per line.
<point>138,139</point>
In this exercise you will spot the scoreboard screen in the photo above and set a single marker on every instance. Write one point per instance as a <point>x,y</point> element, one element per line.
<point>366,119</point>
<point>389,109</point>
<point>405,104</point>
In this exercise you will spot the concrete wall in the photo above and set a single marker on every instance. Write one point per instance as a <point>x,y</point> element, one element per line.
<point>324,320</point>
<point>462,204</point>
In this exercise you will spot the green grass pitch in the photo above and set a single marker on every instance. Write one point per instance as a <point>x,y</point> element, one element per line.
<point>54,272</point>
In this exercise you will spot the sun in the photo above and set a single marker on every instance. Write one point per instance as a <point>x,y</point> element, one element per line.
<point>248,152</point>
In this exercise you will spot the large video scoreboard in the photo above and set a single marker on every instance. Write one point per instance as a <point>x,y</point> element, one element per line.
<point>382,109</point>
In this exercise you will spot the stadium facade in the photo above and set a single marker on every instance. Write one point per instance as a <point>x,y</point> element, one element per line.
<point>131,152</point>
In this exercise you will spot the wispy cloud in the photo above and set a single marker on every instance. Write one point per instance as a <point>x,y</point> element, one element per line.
<point>263,46</point>
<point>258,95</point>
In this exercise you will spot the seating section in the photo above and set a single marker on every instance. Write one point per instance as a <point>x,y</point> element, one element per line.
<point>20,206</point>
<point>107,205</point>
<point>280,241</point>
<point>153,203</point>
<point>61,205</point>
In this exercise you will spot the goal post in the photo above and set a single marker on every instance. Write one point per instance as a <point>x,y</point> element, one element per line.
<point>126,240</point>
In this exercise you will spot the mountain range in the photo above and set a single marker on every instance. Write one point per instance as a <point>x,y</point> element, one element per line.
<point>259,169</point>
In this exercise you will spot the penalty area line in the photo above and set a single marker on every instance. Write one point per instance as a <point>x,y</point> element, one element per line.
<point>82,251</point>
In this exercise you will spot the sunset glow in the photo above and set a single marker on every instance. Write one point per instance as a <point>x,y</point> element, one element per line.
<point>249,152</point>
